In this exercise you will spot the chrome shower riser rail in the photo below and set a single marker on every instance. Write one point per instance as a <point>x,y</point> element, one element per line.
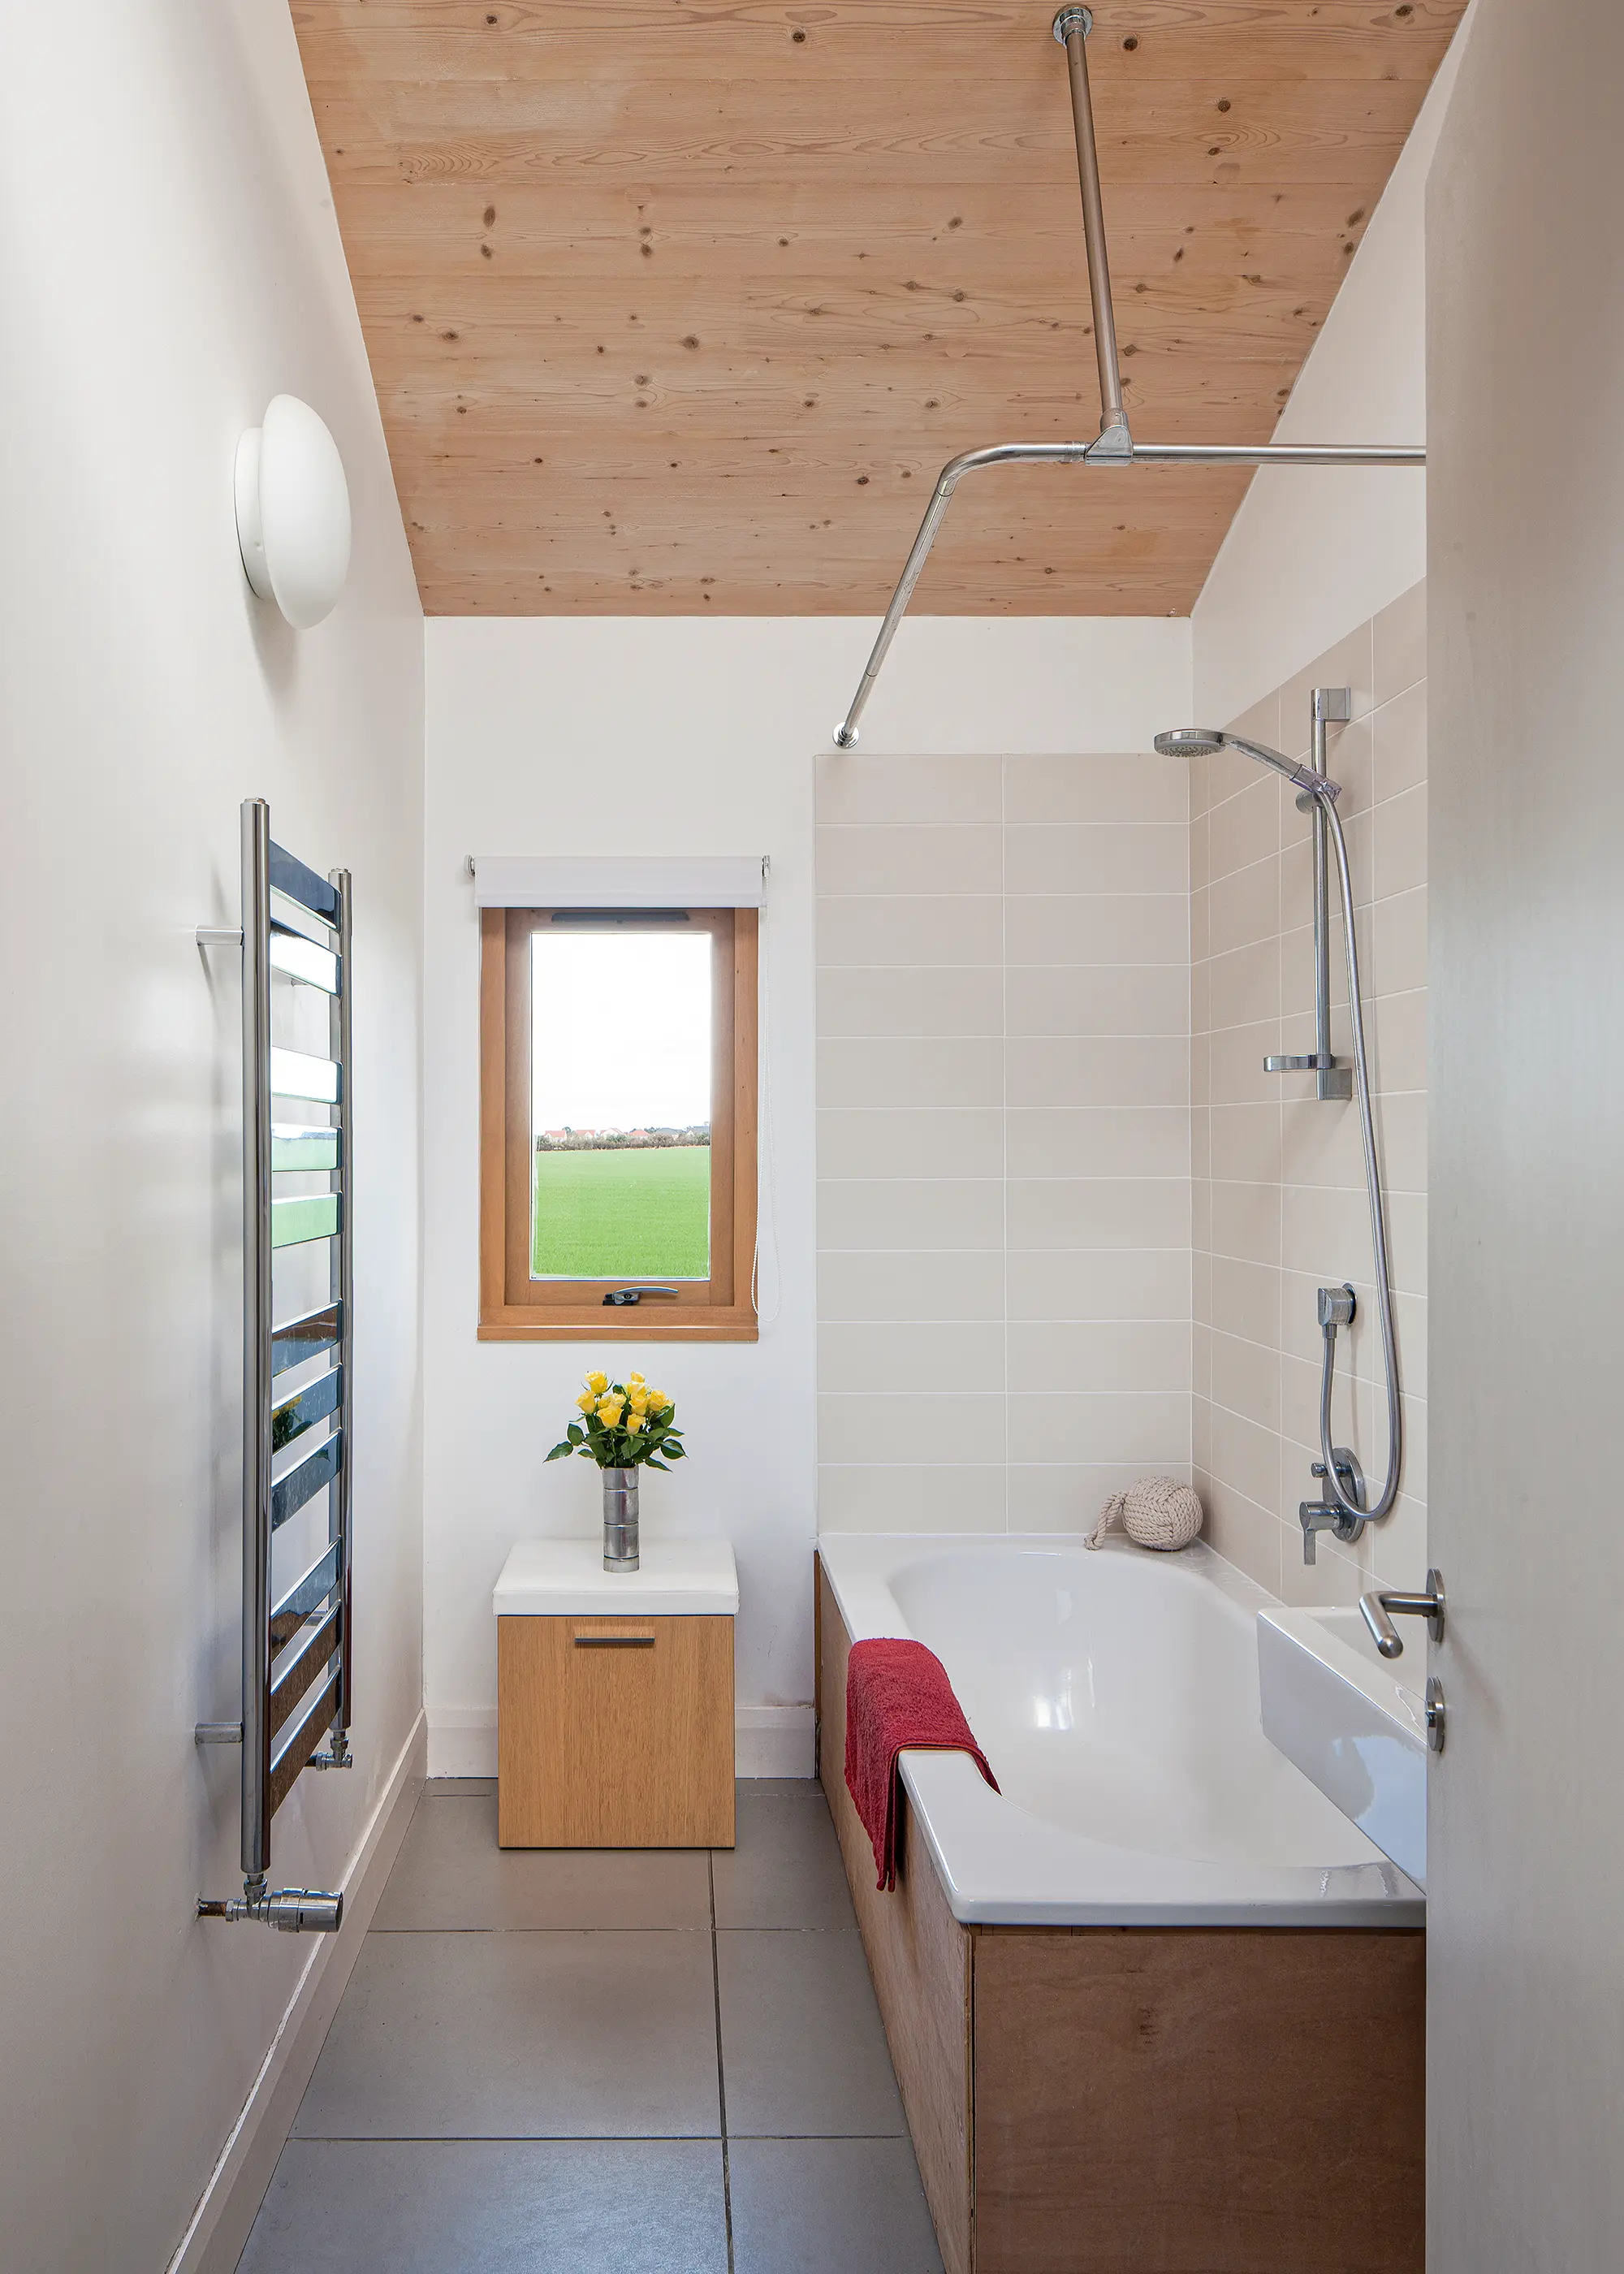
<point>295,1655</point>
<point>1347,454</point>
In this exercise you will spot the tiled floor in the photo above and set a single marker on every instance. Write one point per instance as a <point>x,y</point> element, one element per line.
<point>604,2063</point>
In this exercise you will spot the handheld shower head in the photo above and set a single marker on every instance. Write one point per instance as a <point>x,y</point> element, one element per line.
<point>1190,743</point>
<point>1203,741</point>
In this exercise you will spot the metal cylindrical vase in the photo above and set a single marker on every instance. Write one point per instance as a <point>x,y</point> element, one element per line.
<point>620,1519</point>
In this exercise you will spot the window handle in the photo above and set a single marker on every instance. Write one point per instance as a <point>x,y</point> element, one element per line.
<point>617,1296</point>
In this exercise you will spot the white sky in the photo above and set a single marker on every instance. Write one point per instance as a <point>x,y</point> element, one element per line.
<point>622,1037</point>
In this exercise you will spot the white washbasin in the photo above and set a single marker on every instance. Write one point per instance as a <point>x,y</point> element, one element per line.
<point>1331,1705</point>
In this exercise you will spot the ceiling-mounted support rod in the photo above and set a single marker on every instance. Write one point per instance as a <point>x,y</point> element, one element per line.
<point>1072,27</point>
<point>1092,454</point>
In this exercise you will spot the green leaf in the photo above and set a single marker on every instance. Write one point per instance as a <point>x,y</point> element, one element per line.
<point>560,1452</point>
<point>659,1465</point>
<point>575,1432</point>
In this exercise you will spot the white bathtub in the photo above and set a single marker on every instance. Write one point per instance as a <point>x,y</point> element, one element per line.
<point>1115,1696</point>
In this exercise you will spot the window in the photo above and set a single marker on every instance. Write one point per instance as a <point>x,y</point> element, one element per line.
<point>618,1111</point>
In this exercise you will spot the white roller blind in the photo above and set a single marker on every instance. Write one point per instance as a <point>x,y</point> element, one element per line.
<point>725,880</point>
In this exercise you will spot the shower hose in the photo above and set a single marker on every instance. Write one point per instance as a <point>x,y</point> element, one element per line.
<point>1334,1491</point>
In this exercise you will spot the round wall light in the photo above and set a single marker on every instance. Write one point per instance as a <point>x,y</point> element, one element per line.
<point>293,512</point>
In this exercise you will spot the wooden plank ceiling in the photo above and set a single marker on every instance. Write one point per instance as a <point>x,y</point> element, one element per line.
<point>681,304</point>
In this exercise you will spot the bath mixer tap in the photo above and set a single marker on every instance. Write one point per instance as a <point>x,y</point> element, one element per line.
<point>1318,1516</point>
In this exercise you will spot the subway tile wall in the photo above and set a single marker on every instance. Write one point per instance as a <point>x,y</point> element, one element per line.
<point>1279,1188</point>
<point>1005,1124</point>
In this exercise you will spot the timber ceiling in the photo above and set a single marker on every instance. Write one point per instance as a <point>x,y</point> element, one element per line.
<point>681,304</point>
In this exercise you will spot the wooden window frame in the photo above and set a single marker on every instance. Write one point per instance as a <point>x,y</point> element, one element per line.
<point>514,1307</point>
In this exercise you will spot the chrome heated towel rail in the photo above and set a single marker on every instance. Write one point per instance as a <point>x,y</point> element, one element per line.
<point>296,1666</point>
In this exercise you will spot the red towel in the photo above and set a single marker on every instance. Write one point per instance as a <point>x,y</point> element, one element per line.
<point>897,1699</point>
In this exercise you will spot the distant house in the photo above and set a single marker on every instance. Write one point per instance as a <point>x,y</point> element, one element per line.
<point>571,1140</point>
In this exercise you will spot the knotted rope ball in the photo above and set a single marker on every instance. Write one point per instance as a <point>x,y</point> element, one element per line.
<point>1155,1512</point>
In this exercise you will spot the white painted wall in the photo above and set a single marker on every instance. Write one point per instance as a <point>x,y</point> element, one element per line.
<point>591,735</point>
<point>1315,551</point>
<point>1525,1945</point>
<point>170,260</point>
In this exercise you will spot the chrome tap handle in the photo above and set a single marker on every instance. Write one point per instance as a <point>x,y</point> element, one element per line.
<point>1382,1604</point>
<point>1316,1516</point>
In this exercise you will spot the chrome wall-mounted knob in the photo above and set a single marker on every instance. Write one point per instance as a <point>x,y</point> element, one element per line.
<point>1383,1604</point>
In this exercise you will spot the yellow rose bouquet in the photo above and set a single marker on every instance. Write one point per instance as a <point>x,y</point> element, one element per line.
<point>623,1426</point>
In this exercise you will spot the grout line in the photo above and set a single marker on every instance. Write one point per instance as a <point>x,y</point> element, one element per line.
<point>1048,1034</point>
<point>501,2139</point>
<point>721,2071</point>
<point>595,1927</point>
<point>559,2139</point>
<point>1068,963</point>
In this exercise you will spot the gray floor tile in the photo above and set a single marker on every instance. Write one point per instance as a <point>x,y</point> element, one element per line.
<point>561,2036</point>
<point>812,2206</point>
<point>491,2207</point>
<point>802,2046</point>
<point>451,1873</point>
<point>451,1788</point>
<point>785,1870</point>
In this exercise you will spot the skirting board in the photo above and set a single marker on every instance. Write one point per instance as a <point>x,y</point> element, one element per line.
<point>218,2228</point>
<point>768,1741</point>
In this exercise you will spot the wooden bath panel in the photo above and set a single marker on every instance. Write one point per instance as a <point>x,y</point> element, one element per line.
<point>920,1958</point>
<point>1141,2100</point>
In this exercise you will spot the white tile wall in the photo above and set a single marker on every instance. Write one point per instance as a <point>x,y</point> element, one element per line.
<point>1279,1198</point>
<point>1004,1137</point>
<point>1069,1230</point>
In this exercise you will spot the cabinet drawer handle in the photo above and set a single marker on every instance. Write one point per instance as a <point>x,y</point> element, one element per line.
<point>613,1638</point>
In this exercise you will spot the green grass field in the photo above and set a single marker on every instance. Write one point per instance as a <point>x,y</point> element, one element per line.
<point>641,1213</point>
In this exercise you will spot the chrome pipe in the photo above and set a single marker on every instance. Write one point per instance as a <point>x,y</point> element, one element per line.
<point>342,1284</point>
<point>291,1910</point>
<point>1077,453</point>
<point>1072,27</point>
<point>998,454</point>
<point>256,861</point>
<point>1279,454</point>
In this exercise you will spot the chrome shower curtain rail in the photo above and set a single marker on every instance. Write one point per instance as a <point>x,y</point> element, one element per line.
<point>1114,446</point>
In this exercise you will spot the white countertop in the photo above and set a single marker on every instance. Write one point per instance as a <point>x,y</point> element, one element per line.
<point>566,1579</point>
